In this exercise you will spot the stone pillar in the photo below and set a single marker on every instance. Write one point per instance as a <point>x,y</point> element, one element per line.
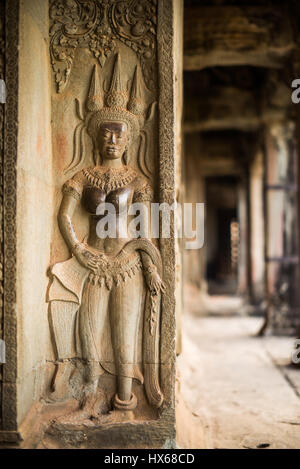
<point>59,103</point>
<point>28,214</point>
<point>281,201</point>
<point>194,193</point>
<point>244,238</point>
<point>257,229</point>
<point>179,164</point>
<point>296,69</point>
<point>9,138</point>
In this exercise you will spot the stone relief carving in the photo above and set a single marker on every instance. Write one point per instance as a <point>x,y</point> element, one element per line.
<point>9,387</point>
<point>97,24</point>
<point>105,300</point>
<point>2,63</point>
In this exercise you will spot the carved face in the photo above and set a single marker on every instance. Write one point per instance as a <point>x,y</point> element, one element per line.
<point>113,139</point>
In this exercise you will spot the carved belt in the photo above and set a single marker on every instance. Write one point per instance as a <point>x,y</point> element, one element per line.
<point>113,271</point>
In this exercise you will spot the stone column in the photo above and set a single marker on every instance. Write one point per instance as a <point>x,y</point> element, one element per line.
<point>83,55</point>
<point>243,284</point>
<point>296,109</point>
<point>179,164</point>
<point>9,138</point>
<point>194,193</point>
<point>281,200</point>
<point>257,230</point>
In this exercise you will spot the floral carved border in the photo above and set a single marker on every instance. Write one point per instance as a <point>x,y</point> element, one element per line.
<point>2,76</point>
<point>8,431</point>
<point>97,25</point>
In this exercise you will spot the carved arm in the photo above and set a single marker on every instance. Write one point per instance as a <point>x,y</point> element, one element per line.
<point>66,212</point>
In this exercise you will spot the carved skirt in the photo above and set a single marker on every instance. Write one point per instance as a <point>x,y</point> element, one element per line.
<point>100,315</point>
<point>109,325</point>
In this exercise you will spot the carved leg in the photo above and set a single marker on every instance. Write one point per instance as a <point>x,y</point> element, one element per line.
<point>125,313</point>
<point>62,322</point>
<point>92,316</point>
<point>124,388</point>
<point>60,380</point>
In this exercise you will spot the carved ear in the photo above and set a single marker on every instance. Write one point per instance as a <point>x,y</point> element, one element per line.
<point>96,155</point>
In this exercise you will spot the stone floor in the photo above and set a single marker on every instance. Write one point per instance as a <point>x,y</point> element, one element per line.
<point>237,390</point>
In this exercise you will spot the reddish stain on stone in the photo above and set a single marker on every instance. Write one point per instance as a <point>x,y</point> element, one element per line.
<point>61,147</point>
<point>39,145</point>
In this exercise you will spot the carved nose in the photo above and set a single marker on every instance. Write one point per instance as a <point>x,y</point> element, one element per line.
<point>113,138</point>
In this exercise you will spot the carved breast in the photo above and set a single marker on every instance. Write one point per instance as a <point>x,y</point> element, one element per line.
<point>93,196</point>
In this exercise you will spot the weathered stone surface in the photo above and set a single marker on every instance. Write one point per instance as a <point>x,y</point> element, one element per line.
<point>9,404</point>
<point>34,215</point>
<point>2,76</point>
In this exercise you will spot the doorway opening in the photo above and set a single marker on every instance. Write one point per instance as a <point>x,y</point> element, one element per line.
<point>222,235</point>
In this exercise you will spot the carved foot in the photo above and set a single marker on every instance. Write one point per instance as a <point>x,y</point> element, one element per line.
<point>125,405</point>
<point>90,406</point>
<point>60,381</point>
<point>91,373</point>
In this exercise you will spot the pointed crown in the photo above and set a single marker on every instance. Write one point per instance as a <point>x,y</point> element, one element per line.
<point>115,105</point>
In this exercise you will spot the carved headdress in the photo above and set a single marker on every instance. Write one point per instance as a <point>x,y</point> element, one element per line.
<point>115,105</point>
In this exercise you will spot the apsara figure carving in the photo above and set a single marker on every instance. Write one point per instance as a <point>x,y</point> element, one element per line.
<point>112,286</point>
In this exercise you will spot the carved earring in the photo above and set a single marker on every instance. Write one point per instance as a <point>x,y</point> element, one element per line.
<point>125,156</point>
<point>96,155</point>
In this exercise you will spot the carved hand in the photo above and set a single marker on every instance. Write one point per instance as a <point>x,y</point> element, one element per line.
<point>153,280</point>
<point>85,257</point>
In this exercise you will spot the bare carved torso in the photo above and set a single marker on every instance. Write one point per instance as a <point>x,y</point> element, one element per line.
<point>120,188</point>
<point>120,199</point>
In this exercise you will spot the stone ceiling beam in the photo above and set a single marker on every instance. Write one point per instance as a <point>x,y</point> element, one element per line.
<point>247,124</point>
<point>231,35</point>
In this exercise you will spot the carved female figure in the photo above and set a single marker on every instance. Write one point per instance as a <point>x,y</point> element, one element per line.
<point>115,281</point>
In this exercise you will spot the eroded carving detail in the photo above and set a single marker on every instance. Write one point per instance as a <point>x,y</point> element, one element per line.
<point>9,399</point>
<point>109,292</point>
<point>135,25</point>
<point>97,24</point>
<point>2,76</point>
